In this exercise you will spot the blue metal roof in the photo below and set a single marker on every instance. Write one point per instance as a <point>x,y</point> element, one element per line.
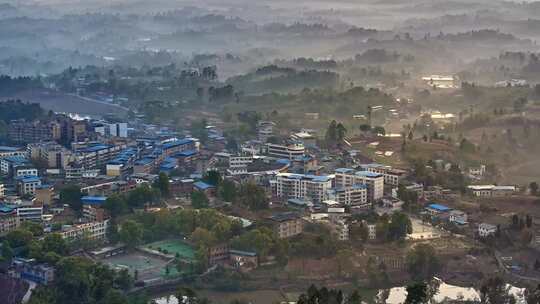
<point>187,153</point>
<point>344,170</point>
<point>93,200</point>
<point>178,143</point>
<point>439,207</point>
<point>28,179</point>
<point>368,174</point>
<point>202,185</point>
<point>96,148</point>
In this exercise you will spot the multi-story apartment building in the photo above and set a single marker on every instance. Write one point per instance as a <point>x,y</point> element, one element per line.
<point>30,213</point>
<point>491,190</point>
<point>236,164</point>
<point>375,182</point>
<point>287,224</point>
<point>355,195</point>
<point>299,186</point>
<point>173,147</point>
<point>22,131</point>
<point>11,151</point>
<point>122,164</point>
<point>92,230</point>
<point>2,191</point>
<point>51,154</point>
<point>287,151</point>
<point>26,185</point>
<point>339,226</point>
<point>265,130</point>
<point>392,176</point>
<point>10,163</point>
<point>30,270</point>
<point>9,220</point>
<point>97,155</point>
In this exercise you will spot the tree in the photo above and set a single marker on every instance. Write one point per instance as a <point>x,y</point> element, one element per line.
<point>533,186</point>
<point>203,237</point>
<point>114,296</point>
<point>123,280</point>
<point>341,131</point>
<point>399,226</point>
<point>19,238</point>
<point>253,196</point>
<point>162,183</point>
<point>495,291</point>
<point>54,243</point>
<point>131,233</point>
<point>331,132</point>
<point>72,195</point>
<point>7,251</point>
<point>199,200</point>
<point>186,295</point>
<point>213,178</point>
<point>422,262</point>
<point>115,205</point>
<point>227,191</point>
<point>417,293</point>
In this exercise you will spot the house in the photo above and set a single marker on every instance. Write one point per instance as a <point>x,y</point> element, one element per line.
<point>93,200</point>
<point>287,224</point>
<point>27,185</point>
<point>458,217</point>
<point>243,260</point>
<point>209,190</point>
<point>218,254</point>
<point>477,171</point>
<point>29,269</point>
<point>485,230</point>
<point>9,220</point>
<point>437,209</point>
<point>372,231</point>
<point>92,231</point>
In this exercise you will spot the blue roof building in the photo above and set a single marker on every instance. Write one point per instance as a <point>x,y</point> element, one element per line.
<point>202,186</point>
<point>93,200</point>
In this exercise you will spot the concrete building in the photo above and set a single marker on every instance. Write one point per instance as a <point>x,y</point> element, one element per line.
<point>97,155</point>
<point>51,154</point>
<point>287,224</point>
<point>10,163</point>
<point>340,226</point>
<point>27,185</point>
<point>2,191</point>
<point>458,217</point>
<point>92,230</point>
<point>355,195</point>
<point>29,269</point>
<point>173,147</point>
<point>375,181</point>
<point>391,176</point>
<point>485,230</point>
<point>287,151</point>
<point>491,190</point>
<point>30,213</point>
<point>9,220</point>
<point>21,131</point>
<point>299,186</point>
<point>12,151</point>
<point>265,130</point>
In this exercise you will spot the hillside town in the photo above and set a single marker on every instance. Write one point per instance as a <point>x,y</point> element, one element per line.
<point>114,191</point>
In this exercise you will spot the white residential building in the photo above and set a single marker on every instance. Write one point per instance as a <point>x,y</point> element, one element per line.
<point>491,190</point>
<point>458,217</point>
<point>391,176</point>
<point>485,230</point>
<point>24,171</point>
<point>93,231</point>
<point>2,191</point>
<point>290,151</point>
<point>28,185</point>
<point>30,213</point>
<point>477,171</point>
<point>375,181</point>
<point>356,195</point>
<point>300,186</point>
<point>372,231</point>
<point>265,130</point>
<point>339,226</point>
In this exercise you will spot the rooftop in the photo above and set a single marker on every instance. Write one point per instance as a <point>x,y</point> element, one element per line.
<point>284,217</point>
<point>439,207</point>
<point>202,185</point>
